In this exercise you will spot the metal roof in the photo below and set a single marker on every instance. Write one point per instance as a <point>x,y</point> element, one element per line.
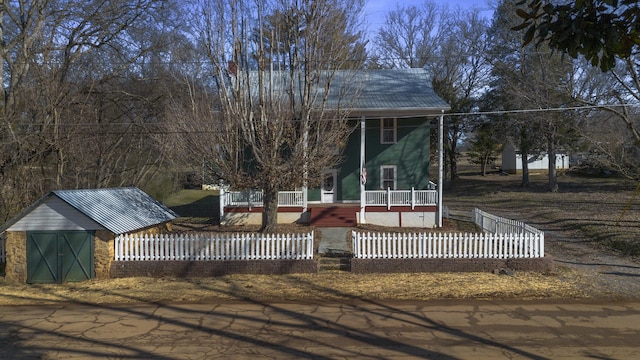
<point>395,90</point>
<point>389,92</point>
<point>120,210</point>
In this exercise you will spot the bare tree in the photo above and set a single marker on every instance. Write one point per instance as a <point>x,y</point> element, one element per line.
<point>460,72</point>
<point>268,119</point>
<point>531,78</point>
<point>608,145</point>
<point>409,37</point>
<point>452,45</point>
<point>56,58</point>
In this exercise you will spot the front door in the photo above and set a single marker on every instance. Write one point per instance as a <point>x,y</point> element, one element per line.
<point>329,182</point>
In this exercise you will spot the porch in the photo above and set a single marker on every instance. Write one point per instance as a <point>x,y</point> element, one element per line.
<point>414,208</point>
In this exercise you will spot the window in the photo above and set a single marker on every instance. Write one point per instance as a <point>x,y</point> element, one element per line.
<point>388,131</point>
<point>388,177</point>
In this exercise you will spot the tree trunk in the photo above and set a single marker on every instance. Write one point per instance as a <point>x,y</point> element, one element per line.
<point>270,210</point>
<point>553,178</point>
<point>454,169</point>
<point>453,161</point>
<point>525,170</point>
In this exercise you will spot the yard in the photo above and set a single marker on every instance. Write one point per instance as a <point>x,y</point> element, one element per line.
<point>580,232</point>
<point>601,211</point>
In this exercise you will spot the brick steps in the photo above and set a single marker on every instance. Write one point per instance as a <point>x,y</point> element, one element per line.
<point>334,216</point>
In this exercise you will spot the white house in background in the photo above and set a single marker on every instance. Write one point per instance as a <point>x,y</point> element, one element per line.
<point>512,161</point>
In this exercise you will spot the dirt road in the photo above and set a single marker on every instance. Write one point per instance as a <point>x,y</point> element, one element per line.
<point>362,330</point>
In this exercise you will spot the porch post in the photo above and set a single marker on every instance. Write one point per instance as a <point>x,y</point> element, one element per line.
<point>440,167</point>
<point>363,177</point>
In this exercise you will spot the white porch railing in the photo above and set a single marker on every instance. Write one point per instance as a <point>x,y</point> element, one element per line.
<point>252,198</point>
<point>498,225</point>
<point>446,245</point>
<point>209,246</point>
<point>388,198</point>
<point>391,198</point>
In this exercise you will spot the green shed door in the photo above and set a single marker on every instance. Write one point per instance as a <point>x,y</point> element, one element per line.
<point>59,256</point>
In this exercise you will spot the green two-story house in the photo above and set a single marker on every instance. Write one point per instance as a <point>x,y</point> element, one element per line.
<point>385,176</point>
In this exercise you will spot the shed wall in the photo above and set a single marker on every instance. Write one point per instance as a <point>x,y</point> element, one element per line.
<point>16,265</point>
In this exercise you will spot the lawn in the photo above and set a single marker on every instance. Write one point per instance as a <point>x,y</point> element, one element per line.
<point>603,211</point>
<point>600,211</point>
<point>195,206</point>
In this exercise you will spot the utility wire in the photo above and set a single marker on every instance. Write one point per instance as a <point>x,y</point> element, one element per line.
<point>474,113</point>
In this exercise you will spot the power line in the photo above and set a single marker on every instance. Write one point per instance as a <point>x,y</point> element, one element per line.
<point>502,112</point>
<point>148,128</point>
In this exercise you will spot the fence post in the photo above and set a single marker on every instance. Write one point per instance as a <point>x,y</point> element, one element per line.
<point>388,198</point>
<point>118,248</point>
<point>221,202</point>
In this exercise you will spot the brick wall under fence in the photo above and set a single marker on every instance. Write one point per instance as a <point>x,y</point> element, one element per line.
<point>372,266</point>
<point>121,269</point>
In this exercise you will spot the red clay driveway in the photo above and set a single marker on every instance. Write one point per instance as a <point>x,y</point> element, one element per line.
<point>364,330</point>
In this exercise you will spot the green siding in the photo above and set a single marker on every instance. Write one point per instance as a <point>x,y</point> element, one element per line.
<point>349,173</point>
<point>313,195</point>
<point>410,155</point>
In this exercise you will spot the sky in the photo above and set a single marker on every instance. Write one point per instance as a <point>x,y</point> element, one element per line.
<point>375,10</point>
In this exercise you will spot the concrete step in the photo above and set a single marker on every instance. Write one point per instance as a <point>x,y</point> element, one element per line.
<point>334,263</point>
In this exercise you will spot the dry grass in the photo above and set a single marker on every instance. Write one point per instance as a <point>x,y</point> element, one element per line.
<point>303,287</point>
<point>604,212</point>
<point>599,211</point>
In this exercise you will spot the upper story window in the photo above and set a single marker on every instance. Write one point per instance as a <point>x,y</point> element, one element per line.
<point>388,130</point>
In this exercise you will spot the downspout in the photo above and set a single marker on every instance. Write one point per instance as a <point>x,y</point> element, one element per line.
<point>440,167</point>
<point>363,177</point>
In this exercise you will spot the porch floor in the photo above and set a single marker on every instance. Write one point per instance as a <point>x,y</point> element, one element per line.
<point>325,205</point>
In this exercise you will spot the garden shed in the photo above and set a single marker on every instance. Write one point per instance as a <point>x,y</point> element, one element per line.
<point>69,235</point>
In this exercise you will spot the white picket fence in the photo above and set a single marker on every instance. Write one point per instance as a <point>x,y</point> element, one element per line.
<point>368,245</point>
<point>499,225</point>
<point>209,246</point>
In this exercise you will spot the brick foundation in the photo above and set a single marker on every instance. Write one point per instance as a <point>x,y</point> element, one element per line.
<point>369,266</point>
<point>120,269</point>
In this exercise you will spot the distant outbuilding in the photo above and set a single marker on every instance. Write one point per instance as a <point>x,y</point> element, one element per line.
<point>539,163</point>
<point>69,235</point>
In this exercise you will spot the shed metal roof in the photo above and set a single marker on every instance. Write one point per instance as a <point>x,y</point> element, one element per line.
<point>119,210</point>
